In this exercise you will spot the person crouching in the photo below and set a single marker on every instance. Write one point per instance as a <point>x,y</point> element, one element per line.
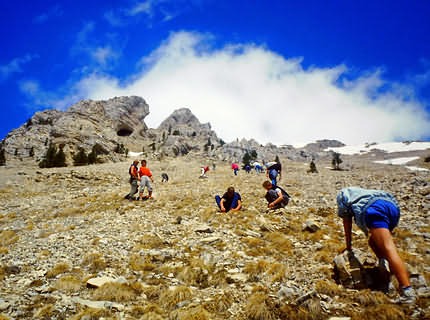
<point>276,196</point>
<point>230,201</point>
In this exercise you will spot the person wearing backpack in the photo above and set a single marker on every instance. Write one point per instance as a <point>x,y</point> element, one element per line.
<point>134,176</point>
<point>276,196</point>
<point>376,212</point>
<point>273,171</point>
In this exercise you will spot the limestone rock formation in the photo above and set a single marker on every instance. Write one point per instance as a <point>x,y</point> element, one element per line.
<point>85,124</point>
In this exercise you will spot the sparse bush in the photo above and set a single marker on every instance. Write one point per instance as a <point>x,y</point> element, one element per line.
<point>2,157</point>
<point>260,307</point>
<point>60,158</point>
<point>246,159</point>
<point>59,268</point>
<point>53,158</point>
<point>336,161</point>
<point>120,148</point>
<point>81,158</point>
<point>312,167</point>
<point>31,152</point>
<point>113,291</point>
<point>176,133</point>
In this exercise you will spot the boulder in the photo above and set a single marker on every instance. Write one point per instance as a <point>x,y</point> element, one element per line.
<point>98,282</point>
<point>311,226</point>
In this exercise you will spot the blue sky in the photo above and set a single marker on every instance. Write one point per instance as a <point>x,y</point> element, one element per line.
<point>367,61</point>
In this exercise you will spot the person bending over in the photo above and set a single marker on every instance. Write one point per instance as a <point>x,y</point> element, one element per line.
<point>275,196</point>
<point>230,201</point>
<point>376,212</point>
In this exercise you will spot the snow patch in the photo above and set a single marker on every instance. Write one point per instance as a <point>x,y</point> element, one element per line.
<point>397,161</point>
<point>388,147</point>
<point>416,168</point>
<point>135,154</point>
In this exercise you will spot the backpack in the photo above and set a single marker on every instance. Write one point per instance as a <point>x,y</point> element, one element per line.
<point>129,170</point>
<point>284,193</point>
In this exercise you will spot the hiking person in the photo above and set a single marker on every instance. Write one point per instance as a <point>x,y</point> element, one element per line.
<point>377,212</point>
<point>134,176</point>
<point>273,170</point>
<point>203,171</point>
<point>235,168</point>
<point>164,177</point>
<point>230,201</point>
<point>213,166</point>
<point>145,176</point>
<point>258,168</point>
<point>248,168</point>
<point>276,196</point>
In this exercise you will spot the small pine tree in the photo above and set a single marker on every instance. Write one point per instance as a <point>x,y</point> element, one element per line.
<point>170,130</point>
<point>336,161</point>
<point>81,158</point>
<point>48,159</point>
<point>194,134</point>
<point>126,153</point>
<point>2,157</point>
<point>92,156</point>
<point>31,153</point>
<point>60,158</point>
<point>312,167</point>
<point>277,159</point>
<point>254,154</point>
<point>46,142</point>
<point>16,152</point>
<point>246,159</point>
<point>221,142</point>
<point>176,133</point>
<point>152,145</point>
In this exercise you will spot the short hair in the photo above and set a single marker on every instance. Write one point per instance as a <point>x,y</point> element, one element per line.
<point>143,161</point>
<point>267,184</point>
<point>230,190</point>
<point>136,161</point>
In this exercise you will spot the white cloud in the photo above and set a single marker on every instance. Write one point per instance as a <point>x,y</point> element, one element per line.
<point>248,91</point>
<point>103,54</point>
<point>15,66</point>
<point>114,19</point>
<point>142,7</point>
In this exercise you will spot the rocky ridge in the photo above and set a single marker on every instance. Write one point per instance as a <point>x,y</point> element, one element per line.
<point>119,121</point>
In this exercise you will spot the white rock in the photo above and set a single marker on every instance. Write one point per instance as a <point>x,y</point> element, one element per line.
<point>98,282</point>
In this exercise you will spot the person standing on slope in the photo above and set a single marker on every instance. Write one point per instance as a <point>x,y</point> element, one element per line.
<point>134,176</point>
<point>273,171</point>
<point>145,176</point>
<point>376,212</point>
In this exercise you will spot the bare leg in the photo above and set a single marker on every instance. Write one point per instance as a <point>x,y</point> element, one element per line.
<point>382,240</point>
<point>375,249</point>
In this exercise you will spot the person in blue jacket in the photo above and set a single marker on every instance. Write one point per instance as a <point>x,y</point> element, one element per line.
<point>376,212</point>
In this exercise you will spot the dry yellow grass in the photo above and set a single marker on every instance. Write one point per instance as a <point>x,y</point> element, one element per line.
<point>4,317</point>
<point>59,268</point>
<point>139,263</point>
<point>8,237</point>
<point>68,284</point>
<point>220,303</point>
<point>193,313</point>
<point>94,261</point>
<point>4,250</point>
<point>119,292</point>
<point>170,297</point>
<point>90,313</point>
<point>277,272</point>
<point>381,312</point>
<point>45,312</point>
<point>328,287</point>
<point>259,307</point>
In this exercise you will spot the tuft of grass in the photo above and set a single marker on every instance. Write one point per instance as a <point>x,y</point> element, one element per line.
<point>259,307</point>
<point>8,237</point>
<point>256,269</point>
<point>371,298</point>
<point>193,313</point>
<point>139,263</point>
<point>194,276</point>
<point>4,250</point>
<point>59,268</point>
<point>45,312</point>
<point>90,313</point>
<point>328,288</point>
<point>278,272</point>
<point>68,284</point>
<point>4,317</point>
<point>220,303</point>
<point>381,312</point>
<point>95,262</point>
<point>170,297</point>
<point>118,292</point>
<point>279,241</point>
<point>150,242</point>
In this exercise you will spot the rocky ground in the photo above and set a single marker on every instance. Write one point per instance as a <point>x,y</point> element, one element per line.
<point>176,257</point>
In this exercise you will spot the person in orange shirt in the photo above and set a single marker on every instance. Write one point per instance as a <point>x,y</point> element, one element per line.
<point>145,176</point>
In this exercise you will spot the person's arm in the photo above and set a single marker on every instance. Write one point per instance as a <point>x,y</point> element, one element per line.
<point>267,173</point>
<point>347,227</point>
<point>239,205</point>
<point>221,204</point>
<point>279,199</point>
<point>280,175</point>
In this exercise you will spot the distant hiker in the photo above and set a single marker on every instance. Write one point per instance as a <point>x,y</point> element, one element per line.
<point>258,168</point>
<point>134,176</point>
<point>248,168</point>
<point>203,171</point>
<point>230,201</point>
<point>276,196</point>
<point>377,212</point>
<point>145,176</point>
<point>213,166</point>
<point>312,167</point>
<point>273,170</point>
<point>164,177</point>
<point>235,168</point>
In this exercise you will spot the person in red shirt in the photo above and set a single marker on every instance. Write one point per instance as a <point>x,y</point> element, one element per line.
<point>145,176</point>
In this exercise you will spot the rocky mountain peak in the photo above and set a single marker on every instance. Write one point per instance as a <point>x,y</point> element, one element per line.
<point>183,117</point>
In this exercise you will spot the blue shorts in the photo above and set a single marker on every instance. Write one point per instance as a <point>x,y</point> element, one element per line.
<point>382,214</point>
